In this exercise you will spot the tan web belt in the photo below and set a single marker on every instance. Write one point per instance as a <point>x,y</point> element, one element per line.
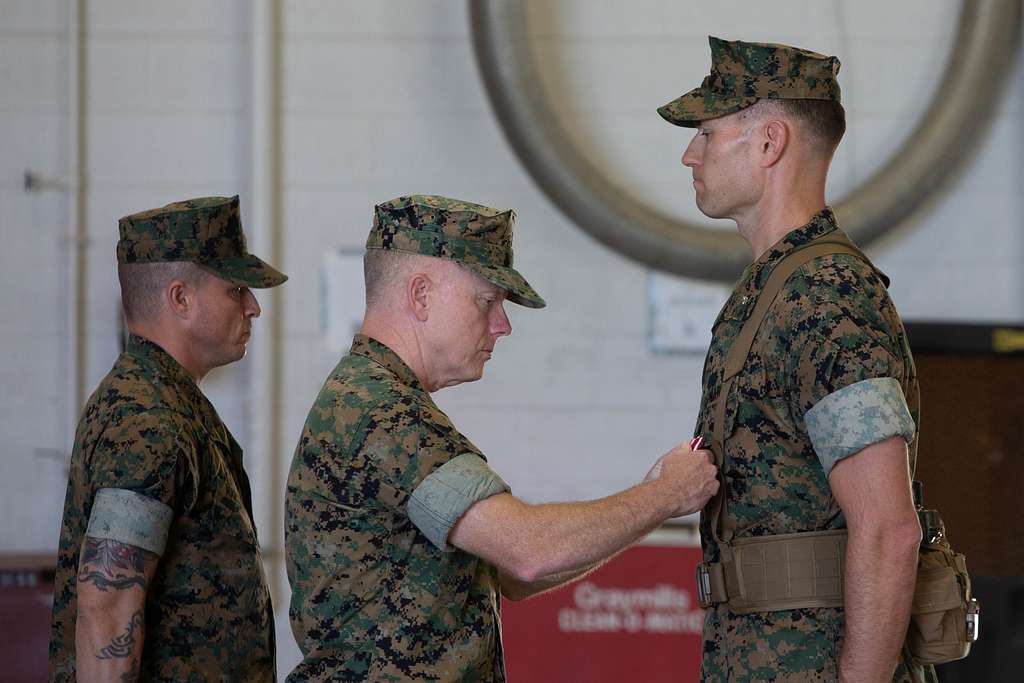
<point>768,573</point>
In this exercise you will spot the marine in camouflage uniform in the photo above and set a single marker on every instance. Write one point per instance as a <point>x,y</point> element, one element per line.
<point>399,536</point>
<point>829,373</point>
<point>379,477</point>
<point>155,473</point>
<point>373,597</point>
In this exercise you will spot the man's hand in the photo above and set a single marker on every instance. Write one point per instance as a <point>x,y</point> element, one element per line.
<point>689,475</point>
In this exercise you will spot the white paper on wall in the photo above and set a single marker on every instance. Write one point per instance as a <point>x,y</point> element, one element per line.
<point>681,312</point>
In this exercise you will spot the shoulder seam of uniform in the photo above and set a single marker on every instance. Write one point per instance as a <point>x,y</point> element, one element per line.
<point>833,260</point>
<point>155,401</point>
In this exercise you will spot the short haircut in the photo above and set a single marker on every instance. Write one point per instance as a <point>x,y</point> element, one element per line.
<point>825,120</point>
<point>143,285</point>
<point>381,268</point>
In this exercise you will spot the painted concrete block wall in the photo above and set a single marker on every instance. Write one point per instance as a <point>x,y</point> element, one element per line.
<point>167,119</point>
<point>382,99</point>
<point>33,260</point>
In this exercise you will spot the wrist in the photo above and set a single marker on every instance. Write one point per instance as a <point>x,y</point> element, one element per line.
<point>664,498</point>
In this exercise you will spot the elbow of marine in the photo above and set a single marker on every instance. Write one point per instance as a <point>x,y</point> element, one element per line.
<point>902,534</point>
<point>525,569</point>
<point>531,561</point>
<point>910,533</point>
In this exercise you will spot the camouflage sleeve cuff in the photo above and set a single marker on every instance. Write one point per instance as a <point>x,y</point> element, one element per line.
<point>130,518</point>
<point>442,498</point>
<point>857,416</point>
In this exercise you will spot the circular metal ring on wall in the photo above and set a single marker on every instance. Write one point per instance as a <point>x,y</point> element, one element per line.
<point>986,40</point>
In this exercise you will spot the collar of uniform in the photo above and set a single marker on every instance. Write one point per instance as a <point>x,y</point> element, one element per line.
<point>385,357</point>
<point>153,354</point>
<point>759,271</point>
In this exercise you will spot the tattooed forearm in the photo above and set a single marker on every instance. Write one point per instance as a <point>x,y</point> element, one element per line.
<point>103,583</point>
<point>113,579</point>
<point>110,556</point>
<point>111,564</point>
<point>121,646</point>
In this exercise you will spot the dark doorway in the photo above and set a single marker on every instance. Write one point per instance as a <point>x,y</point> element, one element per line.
<point>971,460</point>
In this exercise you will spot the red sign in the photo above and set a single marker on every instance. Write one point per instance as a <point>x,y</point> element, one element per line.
<point>634,619</point>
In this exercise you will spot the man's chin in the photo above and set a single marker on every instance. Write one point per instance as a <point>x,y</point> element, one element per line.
<point>236,354</point>
<point>465,378</point>
<point>709,211</point>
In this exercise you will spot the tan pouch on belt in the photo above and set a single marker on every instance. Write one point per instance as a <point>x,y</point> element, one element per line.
<point>944,618</point>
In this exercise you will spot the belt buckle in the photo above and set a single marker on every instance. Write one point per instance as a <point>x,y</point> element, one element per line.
<point>704,585</point>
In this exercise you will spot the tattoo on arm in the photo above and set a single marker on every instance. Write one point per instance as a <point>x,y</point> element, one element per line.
<point>111,564</point>
<point>121,646</point>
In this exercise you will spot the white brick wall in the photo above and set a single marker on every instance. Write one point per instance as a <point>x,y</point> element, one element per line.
<point>33,260</point>
<point>382,99</point>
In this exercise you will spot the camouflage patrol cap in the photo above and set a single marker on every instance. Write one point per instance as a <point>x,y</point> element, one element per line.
<point>206,231</point>
<point>743,73</point>
<point>478,237</point>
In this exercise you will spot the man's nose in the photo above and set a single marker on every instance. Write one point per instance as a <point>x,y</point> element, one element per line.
<point>690,156</point>
<point>500,326</point>
<point>251,306</point>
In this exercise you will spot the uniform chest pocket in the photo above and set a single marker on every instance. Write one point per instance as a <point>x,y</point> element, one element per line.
<point>755,399</point>
<point>736,309</point>
<point>221,509</point>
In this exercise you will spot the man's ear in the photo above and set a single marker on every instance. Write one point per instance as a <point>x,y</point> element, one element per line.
<point>418,290</point>
<point>774,140</point>
<point>181,298</point>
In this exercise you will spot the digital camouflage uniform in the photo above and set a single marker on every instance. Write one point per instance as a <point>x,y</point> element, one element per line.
<point>829,372</point>
<point>148,429</point>
<point>379,477</point>
<point>372,597</point>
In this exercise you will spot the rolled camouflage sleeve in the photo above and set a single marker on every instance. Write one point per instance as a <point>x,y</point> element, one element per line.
<point>857,416</point>
<point>444,496</point>
<point>131,518</point>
